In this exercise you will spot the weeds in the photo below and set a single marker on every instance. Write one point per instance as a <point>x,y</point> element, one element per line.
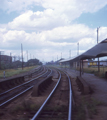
<point>25,106</point>
<point>91,107</point>
<point>80,112</point>
<point>29,106</point>
<point>11,72</point>
<point>57,108</point>
<point>17,109</point>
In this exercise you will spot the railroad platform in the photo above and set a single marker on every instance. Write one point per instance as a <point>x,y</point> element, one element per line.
<point>98,85</point>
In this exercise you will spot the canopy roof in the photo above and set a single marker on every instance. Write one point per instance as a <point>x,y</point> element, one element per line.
<point>99,50</point>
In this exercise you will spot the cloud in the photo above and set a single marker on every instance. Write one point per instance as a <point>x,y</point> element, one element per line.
<point>60,36</point>
<point>70,8</point>
<point>57,13</point>
<point>16,5</point>
<point>37,21</point>
<point>52,30</point>
<point>61,39</point>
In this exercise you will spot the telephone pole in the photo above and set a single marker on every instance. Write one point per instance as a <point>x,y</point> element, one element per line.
<point>0,59</point>
<point>57,57</point>
<point>30,56</point>
<point>98,34</point>
<point>78,48</point>
<point>27,56</point>
<point>61,55</point>
<point>97,43</point>
<point>70,54</point>
<point>10,57</point>
<point>22,55</point>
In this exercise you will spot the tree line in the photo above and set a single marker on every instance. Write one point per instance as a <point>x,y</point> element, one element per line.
<point>18,64</point>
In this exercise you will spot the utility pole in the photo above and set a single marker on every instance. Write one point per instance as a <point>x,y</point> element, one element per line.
<point>30,56</point>
<point>27,56</point>
<point>22,55</point>
<point>61,55</point>
<point>10,57</point>
<point>70,54</point>
<point>97,34</point>
<point>10,60</point>
<point>14,58</point>
<point>78,48</point>
<point>97,43</point>
<point>19,58</point>
<point>27,59</point>
<point>0,59</point>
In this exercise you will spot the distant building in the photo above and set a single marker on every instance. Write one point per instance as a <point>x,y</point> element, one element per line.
<point>103,63</point>
<point>6,58</point>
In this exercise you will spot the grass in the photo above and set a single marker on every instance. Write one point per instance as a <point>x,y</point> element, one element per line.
<point>80,112</point>
<point>28,106</point>
<point>25,107</point>
<point>61,108</point>
<point>91,107</point>
<point>12,72</point>
<point>92,70</point>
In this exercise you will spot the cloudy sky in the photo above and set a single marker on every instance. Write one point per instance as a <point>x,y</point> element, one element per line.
<point>49,29</point>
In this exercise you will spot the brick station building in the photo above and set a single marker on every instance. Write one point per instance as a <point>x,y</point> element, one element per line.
<point>6,58</point>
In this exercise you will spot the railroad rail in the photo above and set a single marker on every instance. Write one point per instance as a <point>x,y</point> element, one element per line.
<point>57,97</point>
<point>9,83</point>
<point>26,88</point>
<point>36,77</point>
<point>39,112</point>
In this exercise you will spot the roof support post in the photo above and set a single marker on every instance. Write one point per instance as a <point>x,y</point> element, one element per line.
<point>97,43</point>
<point>80,68</point>
<point>98,65</point>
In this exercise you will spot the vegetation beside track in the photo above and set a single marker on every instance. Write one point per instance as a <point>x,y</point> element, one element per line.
<point>87,109</point>
<point>92,70</point>
<point>12,72</point>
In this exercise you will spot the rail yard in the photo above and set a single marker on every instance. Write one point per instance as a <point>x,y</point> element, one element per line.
<point>50,93</point>
<point>46,95</point>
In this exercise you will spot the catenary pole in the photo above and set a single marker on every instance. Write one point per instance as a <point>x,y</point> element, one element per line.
<point>22,54</point>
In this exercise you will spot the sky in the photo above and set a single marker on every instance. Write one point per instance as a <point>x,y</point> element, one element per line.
<point>51,29</point>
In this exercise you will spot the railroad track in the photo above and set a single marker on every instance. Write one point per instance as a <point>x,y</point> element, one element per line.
<point>13,93</point>
<point>58,105</point>
<point>12,82</point>
<point>35,74</point>
<point>56,101</point>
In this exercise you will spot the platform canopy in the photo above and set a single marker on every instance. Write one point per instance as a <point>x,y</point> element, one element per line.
<point>99,50</point>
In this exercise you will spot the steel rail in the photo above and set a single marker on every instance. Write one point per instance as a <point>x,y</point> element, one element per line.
<point>40,109</point>
<point>15,96</point>
<point>70,98</point>
<point>36,70</point>
<point>20,93</point>
<point>23,84</point>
